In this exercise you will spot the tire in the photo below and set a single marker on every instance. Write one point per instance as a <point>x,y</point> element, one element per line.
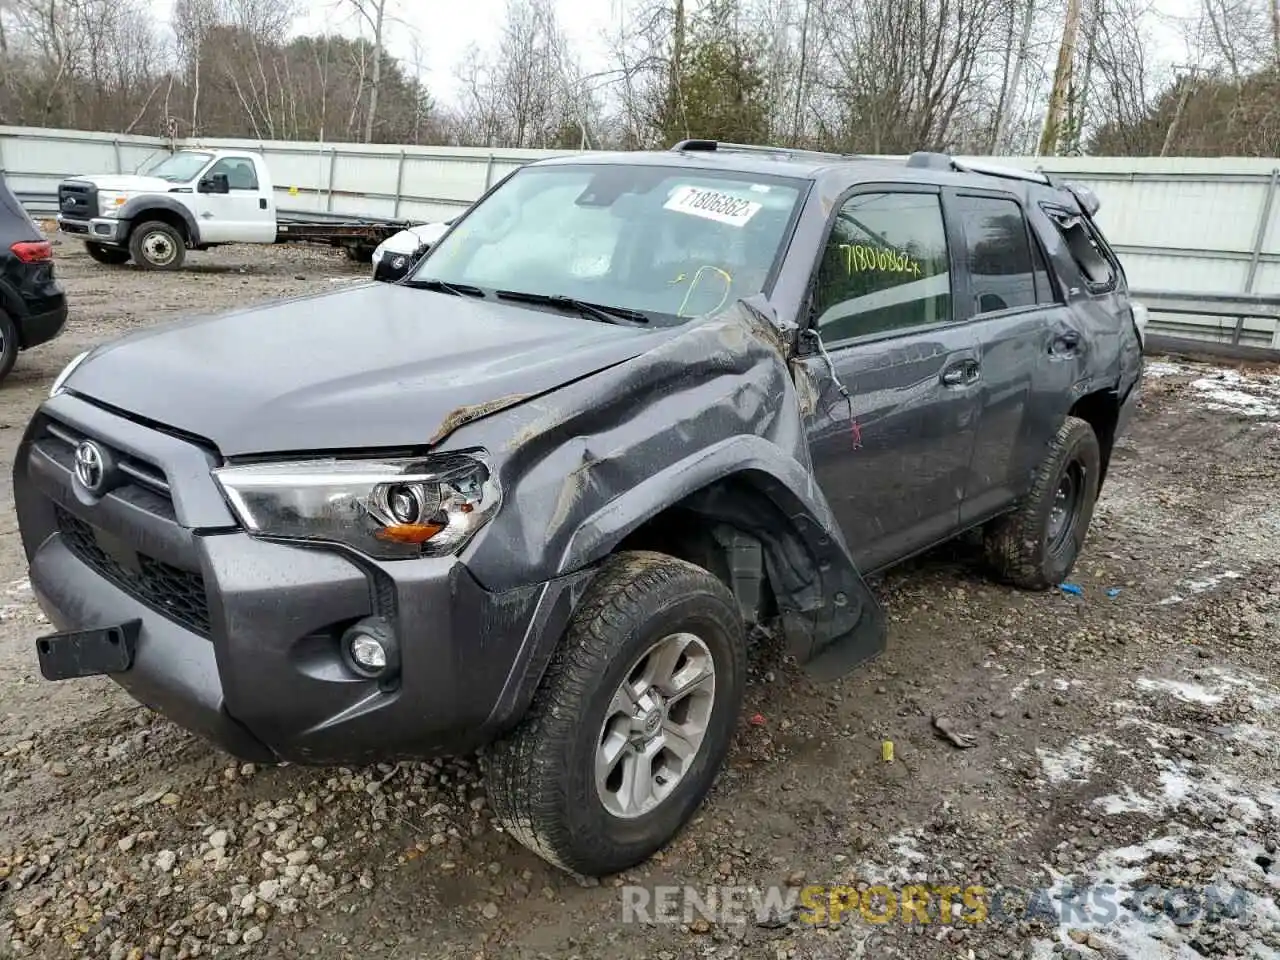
<point>8,344</point>
<point>112,256</point>
<point>1027,547</point>
<point>154,245</point>
<point>542,778</point>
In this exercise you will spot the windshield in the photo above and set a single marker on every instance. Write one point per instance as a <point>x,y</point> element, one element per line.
<point>180,167</point>
<point>669,242</point>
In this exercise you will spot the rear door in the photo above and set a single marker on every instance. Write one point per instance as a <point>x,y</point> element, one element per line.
<point>1028,345</point>
<point>891,456</point>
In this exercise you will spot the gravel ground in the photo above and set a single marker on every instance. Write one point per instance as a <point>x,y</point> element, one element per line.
<point>1127,743</point>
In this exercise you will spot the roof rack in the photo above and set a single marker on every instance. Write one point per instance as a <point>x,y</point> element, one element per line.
<point>943,161</point>
<point>721,146</point>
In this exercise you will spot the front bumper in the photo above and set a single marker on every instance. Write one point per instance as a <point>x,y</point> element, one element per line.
<point>105,230</point>
<point>240,637</point>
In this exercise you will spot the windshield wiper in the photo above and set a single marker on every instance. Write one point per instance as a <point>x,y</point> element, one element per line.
<point>605,313</point>
<point>440,286</point>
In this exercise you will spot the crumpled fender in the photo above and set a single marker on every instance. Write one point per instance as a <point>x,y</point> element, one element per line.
<point>707,418</point>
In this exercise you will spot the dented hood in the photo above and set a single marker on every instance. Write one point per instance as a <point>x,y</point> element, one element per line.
<point>377,365</point>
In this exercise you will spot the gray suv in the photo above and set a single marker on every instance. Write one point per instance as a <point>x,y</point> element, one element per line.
<point>531,498</point>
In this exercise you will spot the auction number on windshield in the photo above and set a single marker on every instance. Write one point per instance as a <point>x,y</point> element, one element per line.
<point>713,205</point>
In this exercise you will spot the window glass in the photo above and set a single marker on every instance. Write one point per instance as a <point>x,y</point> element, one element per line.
<point>999,254</point>
<point>178,167</point>
<point>885,266</point>
<point>1086,248</point>
<point>1045,292</point>
<point>241,174</point>
<point>672,242</point>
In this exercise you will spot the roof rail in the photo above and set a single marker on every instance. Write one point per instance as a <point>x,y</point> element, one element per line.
<point>944,161</point>
<point>721,146</point>
<point>995,170</point>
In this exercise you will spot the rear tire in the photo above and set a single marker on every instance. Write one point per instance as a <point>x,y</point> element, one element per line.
<point>155,245</point>
<point>8,344</point>
<point>650,671</point>
<point>113,256</point>
<point>1036,545</point>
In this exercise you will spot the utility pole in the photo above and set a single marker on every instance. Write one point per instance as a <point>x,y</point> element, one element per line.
<point>1052,132</point>
<point>1187,84</point>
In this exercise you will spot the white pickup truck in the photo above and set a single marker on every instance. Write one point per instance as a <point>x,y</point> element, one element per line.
<point>194,200</point>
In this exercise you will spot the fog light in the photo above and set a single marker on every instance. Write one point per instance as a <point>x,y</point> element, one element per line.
<point>370,649</point>
<point>367,652</point>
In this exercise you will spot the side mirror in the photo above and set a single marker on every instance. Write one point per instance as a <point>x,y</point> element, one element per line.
<point>215,183</point>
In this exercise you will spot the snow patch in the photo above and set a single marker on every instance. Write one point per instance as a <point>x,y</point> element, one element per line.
<point>1186,692</point>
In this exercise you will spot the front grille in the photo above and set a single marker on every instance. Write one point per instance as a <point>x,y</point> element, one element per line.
<point>78,200</point>
<point>143,484</point>
<point>177,594</point>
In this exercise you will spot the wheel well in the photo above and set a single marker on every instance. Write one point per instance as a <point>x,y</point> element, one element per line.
<point>163,216</point>
<point>732,555</point>
<point>1101,410</point>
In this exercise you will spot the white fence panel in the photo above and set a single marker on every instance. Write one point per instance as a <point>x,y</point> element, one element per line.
<point>1179,225</point>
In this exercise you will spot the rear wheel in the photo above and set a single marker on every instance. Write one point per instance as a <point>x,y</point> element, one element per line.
<point>1036,545</point>
<point>8,344</point>
<point>631,722</point>
<point>109,255</point>
<point>155,245</point>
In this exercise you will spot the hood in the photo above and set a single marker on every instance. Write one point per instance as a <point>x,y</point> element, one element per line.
<point>376,365</point>
<point>129,182</point>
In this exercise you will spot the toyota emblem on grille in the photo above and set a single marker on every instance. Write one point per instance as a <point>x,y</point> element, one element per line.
<point>91,468</point>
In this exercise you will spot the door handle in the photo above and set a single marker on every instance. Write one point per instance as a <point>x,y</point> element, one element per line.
<point>960,373</point>
<point>262,203</point>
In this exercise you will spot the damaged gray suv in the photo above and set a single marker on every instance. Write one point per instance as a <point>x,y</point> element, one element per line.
<point>530,498</point>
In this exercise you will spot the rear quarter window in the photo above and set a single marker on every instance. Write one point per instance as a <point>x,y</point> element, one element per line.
<point>1089,251</point>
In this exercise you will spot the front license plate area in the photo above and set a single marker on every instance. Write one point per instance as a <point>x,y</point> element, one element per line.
<point>88,653</point>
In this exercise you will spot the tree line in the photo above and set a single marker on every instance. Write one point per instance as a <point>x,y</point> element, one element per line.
<point>865,76</point>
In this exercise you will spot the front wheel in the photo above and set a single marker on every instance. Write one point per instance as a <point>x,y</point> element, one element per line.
<point>1036,545</point>
<point>631,722</point>
<point>112,256</point>
<point>155,245</point>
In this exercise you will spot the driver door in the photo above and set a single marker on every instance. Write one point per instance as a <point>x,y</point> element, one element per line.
<point>242,215</point>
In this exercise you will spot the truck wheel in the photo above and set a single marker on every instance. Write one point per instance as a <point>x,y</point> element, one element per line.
<point>109,255</point>
<point>631,722</point>
<point>8,344</point>
<point>157,246</point>
<point>1036,545</point>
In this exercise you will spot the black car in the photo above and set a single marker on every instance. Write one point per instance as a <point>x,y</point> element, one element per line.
<point>629,405</point>
<point>33,307</point>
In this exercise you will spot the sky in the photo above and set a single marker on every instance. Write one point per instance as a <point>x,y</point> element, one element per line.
<point>445,29</point>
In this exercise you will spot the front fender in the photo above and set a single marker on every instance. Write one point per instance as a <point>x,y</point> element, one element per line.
<point>707,418</point>
<point>139,209</point>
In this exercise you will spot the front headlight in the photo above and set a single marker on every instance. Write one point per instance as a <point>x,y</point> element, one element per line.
<point>110,202</point>
<point>388,509</point>
<point>69,369</point>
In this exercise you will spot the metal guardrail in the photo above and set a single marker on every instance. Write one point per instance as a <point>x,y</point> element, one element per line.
<point>1241,306</point>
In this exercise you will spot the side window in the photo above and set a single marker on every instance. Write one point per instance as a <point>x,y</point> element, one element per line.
<point>241,174</point>
<point>885,266</point>
<point>1086,248</point>
<point>1046,292</point>
<point>998,254</point>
